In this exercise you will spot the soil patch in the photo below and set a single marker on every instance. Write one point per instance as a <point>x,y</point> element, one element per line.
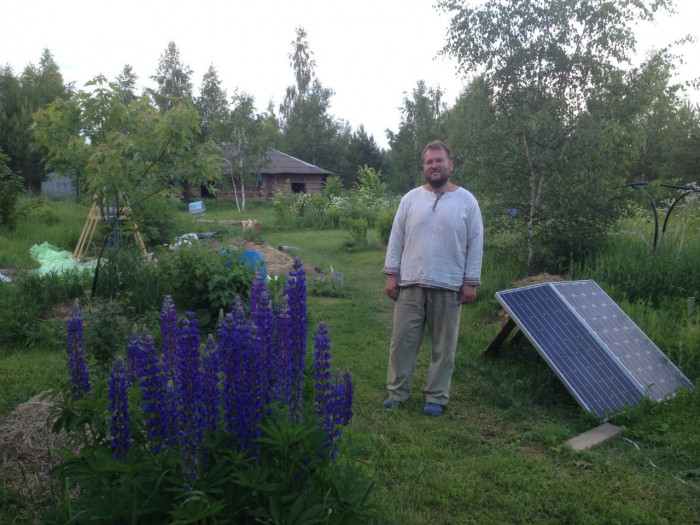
<point>8,271</point>
<point>277,262</point>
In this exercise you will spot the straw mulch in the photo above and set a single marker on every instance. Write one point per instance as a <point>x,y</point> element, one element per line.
<point>26,449</point>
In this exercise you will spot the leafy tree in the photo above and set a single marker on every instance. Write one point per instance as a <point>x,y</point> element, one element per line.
<point>362,151</point>
<point>667,126</point>
<point>542,61</point>
<point>310,132</point>
<point>421,122</point>
<point>11,186</point>
<point>471,130</point>
<point>126,84</point>
<point>126,154</point>
<point>174,80</point>
<point>20,97</point>
<point>245,146</point>
<point>213,107</point>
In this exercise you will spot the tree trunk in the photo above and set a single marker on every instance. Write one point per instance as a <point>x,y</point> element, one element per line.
<point>535,195</point>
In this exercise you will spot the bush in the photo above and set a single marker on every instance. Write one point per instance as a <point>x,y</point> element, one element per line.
<point>25,301</point>
<point>127,276</point>
<point>229,433</point>
<point>358,231</point>
<point>202,281</point>
<point>385,220</point>
<point>11,187</point>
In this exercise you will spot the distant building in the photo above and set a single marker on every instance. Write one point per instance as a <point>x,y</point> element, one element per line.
<point>57,185</point>
<point>282,172</point>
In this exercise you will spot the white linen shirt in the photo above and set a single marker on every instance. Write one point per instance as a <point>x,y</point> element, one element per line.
<point>436,244</point>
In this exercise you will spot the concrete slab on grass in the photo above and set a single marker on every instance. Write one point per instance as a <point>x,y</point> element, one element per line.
<point>594,436</point>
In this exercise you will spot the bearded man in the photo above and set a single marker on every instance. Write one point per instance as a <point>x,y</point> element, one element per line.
<point>433,266</point>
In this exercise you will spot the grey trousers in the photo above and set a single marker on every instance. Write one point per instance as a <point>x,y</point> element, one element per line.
<point>416,307</point>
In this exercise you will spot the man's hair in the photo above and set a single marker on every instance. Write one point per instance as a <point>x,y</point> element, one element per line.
<point>435,145</point>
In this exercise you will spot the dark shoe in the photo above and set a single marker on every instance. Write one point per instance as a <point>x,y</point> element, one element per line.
<point>432,409</point>
<point>391,403</point>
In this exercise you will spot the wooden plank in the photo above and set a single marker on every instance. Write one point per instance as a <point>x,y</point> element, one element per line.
<point>594,436</point>
<point>502,336</point>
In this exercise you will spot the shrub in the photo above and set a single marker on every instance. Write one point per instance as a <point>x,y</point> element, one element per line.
<point>385,220</point>
<point>127,276</point>
<point>11,187</point>
<point>358,231</point>
<point>228,432</point>
<point>202,280</point>
<point>25,301</point>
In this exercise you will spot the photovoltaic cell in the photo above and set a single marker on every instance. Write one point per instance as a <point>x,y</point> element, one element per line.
<point>603,358</point>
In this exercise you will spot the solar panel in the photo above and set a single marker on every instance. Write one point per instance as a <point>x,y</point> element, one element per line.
<point>601,356</point>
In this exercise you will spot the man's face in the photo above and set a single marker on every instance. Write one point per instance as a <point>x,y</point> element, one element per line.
<point>437,168</point>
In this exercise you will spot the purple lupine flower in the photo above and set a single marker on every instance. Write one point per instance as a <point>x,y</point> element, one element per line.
<point>234,339</point>
<point>188,391</point>
<point>253,391</point>
<point>168,334</point>
<point>284,379</point>
<point>170,415</point>
<point>325,387</point>
<point>119,407</point>
<point>152,383</point>
<point>211,396</point>
<point>230,357</point>
<point>132,355</point>
<point>295,293</point>
<point>79,375</point>
<point>263,329</point>
<point>257,288</point>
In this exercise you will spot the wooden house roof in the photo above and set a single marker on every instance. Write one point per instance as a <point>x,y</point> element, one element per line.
<point>281,163</point>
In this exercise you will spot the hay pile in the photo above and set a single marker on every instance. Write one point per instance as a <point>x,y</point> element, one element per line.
<point>26,448</point>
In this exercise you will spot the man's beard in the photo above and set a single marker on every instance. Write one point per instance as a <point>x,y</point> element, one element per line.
<point>438,183</point>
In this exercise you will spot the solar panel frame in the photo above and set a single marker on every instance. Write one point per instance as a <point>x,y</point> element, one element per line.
<point>573,325</point>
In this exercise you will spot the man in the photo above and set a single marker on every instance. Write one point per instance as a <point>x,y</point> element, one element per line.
<point>433,263</point>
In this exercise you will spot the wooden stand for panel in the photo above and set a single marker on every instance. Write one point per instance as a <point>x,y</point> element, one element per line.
<point>95,217</point>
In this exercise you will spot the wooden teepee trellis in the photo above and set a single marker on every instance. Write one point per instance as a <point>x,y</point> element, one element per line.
<point>96,216</point>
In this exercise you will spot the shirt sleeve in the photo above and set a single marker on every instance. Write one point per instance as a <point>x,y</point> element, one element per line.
<point>394,250</point>
<point>475,247</point>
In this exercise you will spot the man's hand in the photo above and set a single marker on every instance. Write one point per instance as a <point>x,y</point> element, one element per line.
<point>392,287</point>
<point>467,294</point>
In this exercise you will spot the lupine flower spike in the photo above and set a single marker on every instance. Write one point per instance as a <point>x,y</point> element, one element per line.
<point>79,375</point>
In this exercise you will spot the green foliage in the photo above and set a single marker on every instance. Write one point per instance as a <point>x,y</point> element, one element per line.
<point>11,186</point>
<point>385,220</point>
<point>26,301</point>
<point>203,281</point>
<point>557,150</point>
<point>155,220</point>
<point>147,487</point>
<point>309,132</point>
<point>357,228</point>
<point>333,188</point>
<point>635,273</point>
<point>327,288</point>
<point>334,208</point>
<point>125,276</point>
<point>105,330</point>
<point>20,96</point>
<point>422,117</point>
<point>124,152</point>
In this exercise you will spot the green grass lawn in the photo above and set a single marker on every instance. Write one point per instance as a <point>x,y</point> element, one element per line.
<point>498,455</point>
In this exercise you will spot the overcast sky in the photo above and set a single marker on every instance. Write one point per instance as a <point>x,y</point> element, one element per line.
<point>370,52</point>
